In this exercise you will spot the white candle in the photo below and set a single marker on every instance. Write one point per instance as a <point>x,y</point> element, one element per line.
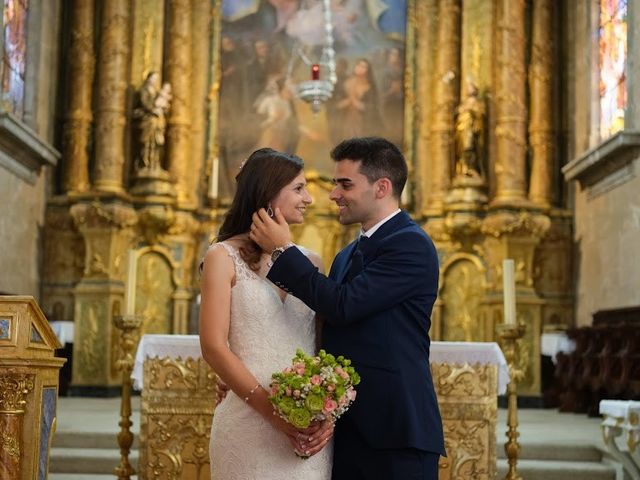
<point>213,179</point>
<point>509,291</point>
<point>130,282</point>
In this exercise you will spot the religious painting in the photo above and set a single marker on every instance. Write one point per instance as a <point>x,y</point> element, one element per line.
<point>14,55</point>
<point>267,47</point>
<point>612,41</point>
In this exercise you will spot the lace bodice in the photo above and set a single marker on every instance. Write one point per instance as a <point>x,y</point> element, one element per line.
<point>264,332</point>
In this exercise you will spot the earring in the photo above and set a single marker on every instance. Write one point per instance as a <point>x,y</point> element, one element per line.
<point>270,211</point>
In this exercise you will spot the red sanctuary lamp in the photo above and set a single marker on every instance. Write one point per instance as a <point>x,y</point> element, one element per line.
<point>315,91</point>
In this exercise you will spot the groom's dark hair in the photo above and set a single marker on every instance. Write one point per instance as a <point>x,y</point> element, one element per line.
<point>380,159</point>
<point>260,179</point>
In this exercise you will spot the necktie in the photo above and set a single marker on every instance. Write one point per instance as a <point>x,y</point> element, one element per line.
<point>355,259</point>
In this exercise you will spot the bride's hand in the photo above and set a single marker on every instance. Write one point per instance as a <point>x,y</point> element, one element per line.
<point>318,435</point>
<point>297,438</point>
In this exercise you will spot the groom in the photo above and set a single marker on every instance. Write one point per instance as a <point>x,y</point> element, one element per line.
<point>377,304</point>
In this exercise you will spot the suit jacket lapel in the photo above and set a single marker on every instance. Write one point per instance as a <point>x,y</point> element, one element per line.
<point>348,252</point>
<point>356,261</point>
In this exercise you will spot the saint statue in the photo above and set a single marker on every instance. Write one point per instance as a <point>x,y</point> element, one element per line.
<point>470,134</point>
<point>151,114</point>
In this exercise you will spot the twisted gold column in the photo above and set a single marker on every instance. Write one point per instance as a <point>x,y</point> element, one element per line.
<point>511,115</point>
<point>79,114</point>
<point>446,89</point>
<point>179,75</point>
<point>541,135</point>
<point>112,84</point>
<point>202,16</point>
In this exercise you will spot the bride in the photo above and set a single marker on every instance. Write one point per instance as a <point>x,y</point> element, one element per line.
<point>249,329</point>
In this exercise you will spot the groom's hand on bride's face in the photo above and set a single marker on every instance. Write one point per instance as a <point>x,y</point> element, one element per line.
<point>269,233</point>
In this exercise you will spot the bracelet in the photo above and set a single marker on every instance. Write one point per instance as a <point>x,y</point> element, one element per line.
<point>251,392</point>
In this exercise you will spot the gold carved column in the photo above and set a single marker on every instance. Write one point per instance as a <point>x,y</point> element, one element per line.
<point>446,89</point>
<point>516,235</point>
<point>541,134</point>
<point>107,230</point>
<point>425,39</point>
<point>77,125</point>
<point>510,96</point>
<point>179,75</point>
<point>113,64</point>
<point>200,56</point>
<point>14,388</point>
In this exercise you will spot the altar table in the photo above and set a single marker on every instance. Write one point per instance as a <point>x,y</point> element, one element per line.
<point>178,402</point>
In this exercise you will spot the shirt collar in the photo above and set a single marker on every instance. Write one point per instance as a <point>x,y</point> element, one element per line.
<point>373,229</point>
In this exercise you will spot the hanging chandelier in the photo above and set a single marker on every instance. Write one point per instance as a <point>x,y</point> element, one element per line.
<point>319,88</point>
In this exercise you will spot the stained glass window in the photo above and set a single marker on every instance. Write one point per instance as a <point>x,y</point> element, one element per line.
<point>613,65</point>
<point>14,55</point>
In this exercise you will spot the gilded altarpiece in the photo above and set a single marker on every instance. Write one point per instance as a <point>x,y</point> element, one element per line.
<point>473,58</point>
<point>459,57</point>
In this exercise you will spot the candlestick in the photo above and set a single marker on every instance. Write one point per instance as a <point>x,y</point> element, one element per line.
<point>315,72</point>
<point>130,282</point>
<point>509,338</point>
<point>509,291</point>
<point>129,327</point>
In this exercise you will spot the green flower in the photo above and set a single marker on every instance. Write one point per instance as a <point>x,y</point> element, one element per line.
<point>286,405</point>
<point>340,391</point>
<point>299,417</point>
<point>297,383</point>
<point>314,403</point>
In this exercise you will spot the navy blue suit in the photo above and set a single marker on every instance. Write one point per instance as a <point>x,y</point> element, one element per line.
<point>377,304</point>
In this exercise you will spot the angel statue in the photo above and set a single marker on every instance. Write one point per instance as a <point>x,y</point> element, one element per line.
<point>154,104</point>
<point>470,134</point>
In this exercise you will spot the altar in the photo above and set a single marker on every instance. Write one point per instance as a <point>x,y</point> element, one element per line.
<point>178,403</point>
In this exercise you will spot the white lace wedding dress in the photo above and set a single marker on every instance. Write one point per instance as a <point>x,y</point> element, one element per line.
<point>264,333</point>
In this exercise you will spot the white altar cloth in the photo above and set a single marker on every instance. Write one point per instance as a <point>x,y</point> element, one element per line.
<point>473,352</point>
<point>185,346</point>
<point>553,343</point>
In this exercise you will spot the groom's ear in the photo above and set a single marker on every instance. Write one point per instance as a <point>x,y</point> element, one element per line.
<point>383,188</point>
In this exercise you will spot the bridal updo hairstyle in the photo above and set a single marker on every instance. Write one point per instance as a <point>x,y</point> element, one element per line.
<point>259,180</point>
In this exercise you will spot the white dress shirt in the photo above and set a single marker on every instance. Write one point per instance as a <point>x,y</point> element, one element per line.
<point>373,229</point>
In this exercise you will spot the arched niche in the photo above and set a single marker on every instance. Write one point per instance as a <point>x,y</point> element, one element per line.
<point>462,295</point>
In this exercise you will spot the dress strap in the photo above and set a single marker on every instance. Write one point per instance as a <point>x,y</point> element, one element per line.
<point>243,271</point>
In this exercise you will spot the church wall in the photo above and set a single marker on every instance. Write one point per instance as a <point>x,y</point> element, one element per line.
<point>605,199</point>
<point>20,226</point>
<point>607,229</point>
<point>24,193</point>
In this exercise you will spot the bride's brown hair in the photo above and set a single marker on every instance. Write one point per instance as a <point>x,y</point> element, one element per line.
<point>260,179</point>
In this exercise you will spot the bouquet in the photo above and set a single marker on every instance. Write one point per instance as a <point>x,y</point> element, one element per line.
<point>314,388</point>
